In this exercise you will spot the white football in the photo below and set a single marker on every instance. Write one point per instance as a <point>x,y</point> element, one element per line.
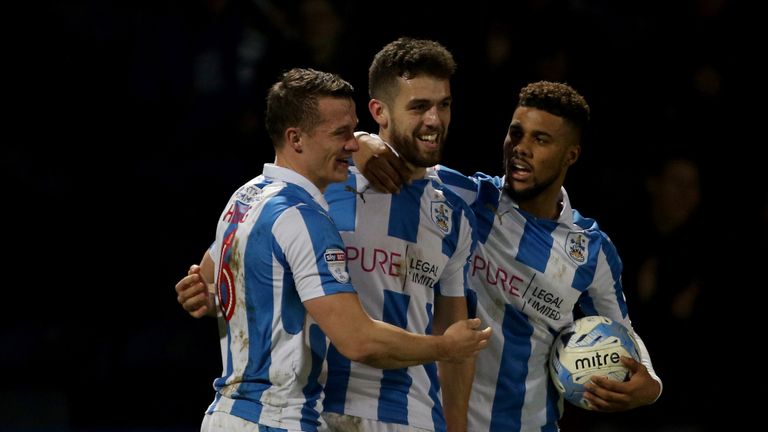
<point>589,346</point>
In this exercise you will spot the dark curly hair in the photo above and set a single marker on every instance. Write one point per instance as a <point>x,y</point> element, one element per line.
<point>558,99</point>
<point>408,58</point>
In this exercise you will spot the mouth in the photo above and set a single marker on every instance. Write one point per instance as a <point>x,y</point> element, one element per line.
<point>343,161</point>
<point>518,169</point>
<point>428,140</point>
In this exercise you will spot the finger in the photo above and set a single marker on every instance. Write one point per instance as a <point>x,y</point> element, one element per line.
<point>390,175</point>
<point>378,179</point>
<point>384,183</point>
<point>631,364</point>
<point>185,282</point>
<point>601,382</point>
<point>473,323</point>
<point>192,290</point>
<point>595,403</point>
<point>403,170</point>
<point>196,302</point>
<point>200,312</point>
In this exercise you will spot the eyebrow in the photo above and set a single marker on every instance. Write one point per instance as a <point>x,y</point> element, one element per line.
<point>517,126</point>
<point>420,101</point>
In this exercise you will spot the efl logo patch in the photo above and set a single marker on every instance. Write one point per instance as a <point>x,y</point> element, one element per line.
<point>441,216</point>
<point>576,247</point>
<point>336,260</point>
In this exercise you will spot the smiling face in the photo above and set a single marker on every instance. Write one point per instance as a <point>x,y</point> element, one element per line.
<point>324,152</point>
<point>416,121</point>
<point>538,150</point>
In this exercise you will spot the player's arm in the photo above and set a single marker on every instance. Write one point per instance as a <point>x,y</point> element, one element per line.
<point>607,299</point>
<point>378,344</point>
<point>194,292</point>
<point>380,165</point>
<point>455,378</point>
<point>642,388</point>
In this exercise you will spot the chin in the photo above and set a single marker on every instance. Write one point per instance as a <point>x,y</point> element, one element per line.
<point>340,177</point>
<point>519,192</point>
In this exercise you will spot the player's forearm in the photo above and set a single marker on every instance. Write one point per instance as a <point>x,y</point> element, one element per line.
<point>645,359</point>
<point>390,347</point>
<point>456,385</point>
<point>368,147</point>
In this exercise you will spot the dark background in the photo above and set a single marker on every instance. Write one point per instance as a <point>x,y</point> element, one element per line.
<point>136,121</point>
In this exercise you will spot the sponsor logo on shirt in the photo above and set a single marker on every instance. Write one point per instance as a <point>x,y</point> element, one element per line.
<point>412,268</point>
<point>519,287</point>
<point>336,260</point>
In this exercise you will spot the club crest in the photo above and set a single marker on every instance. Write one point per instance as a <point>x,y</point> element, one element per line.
<point>576,247</point>
<point>441,216</point>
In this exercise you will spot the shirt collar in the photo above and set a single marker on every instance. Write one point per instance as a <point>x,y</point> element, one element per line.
<point>566,213</point>
<point>287,175</point>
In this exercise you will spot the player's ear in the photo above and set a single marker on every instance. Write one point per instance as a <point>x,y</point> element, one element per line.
<point>379,111</point>
<point>293,138</point>
<point>572,154</point>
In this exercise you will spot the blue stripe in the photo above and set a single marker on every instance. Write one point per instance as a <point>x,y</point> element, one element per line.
<point>553,412</point>
<point>246,409</point>
<point>259,293</point>
<point>507,410</point>
<point>583,222</point>
<point>458,207</point>
<point>337,382</point>
<point>471,296</point>
<point>395,383</point>
<point>614,263</point>
<point>454,178</point>
<point>536,242</point>
<point>405,208</point>
<point>263,428</point>
<point>438,419</point>
<point>585,273</point>
<point>342,203</point>
<point>485,208</point>
<point>587,304</point>
<point>324,235</point>
<point>309,412</point>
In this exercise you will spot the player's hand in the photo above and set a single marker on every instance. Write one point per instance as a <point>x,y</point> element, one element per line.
<point>464,340</point>
<point>381,166</point>
<point>192,293</point>
<point>606,395</point>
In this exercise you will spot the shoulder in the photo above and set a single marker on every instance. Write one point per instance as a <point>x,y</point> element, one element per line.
<point>592,229</point>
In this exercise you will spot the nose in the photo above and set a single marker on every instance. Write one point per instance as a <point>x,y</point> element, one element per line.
<point>351,145</point>
<point>521,147</point>
<point>432,117</point>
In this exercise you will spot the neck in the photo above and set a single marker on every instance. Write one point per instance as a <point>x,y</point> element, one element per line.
<point>544,205</point>
<point>286,162</point>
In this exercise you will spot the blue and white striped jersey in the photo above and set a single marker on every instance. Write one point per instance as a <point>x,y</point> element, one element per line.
<point>528,274</point>
<point>402,250</point>
<point>275,248</point>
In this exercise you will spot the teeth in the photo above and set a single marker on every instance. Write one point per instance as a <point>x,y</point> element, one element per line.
<point>430,137</point>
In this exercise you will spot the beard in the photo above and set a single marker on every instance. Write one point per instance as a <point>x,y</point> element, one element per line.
<point>409,149</point>
<point>530,192</point>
